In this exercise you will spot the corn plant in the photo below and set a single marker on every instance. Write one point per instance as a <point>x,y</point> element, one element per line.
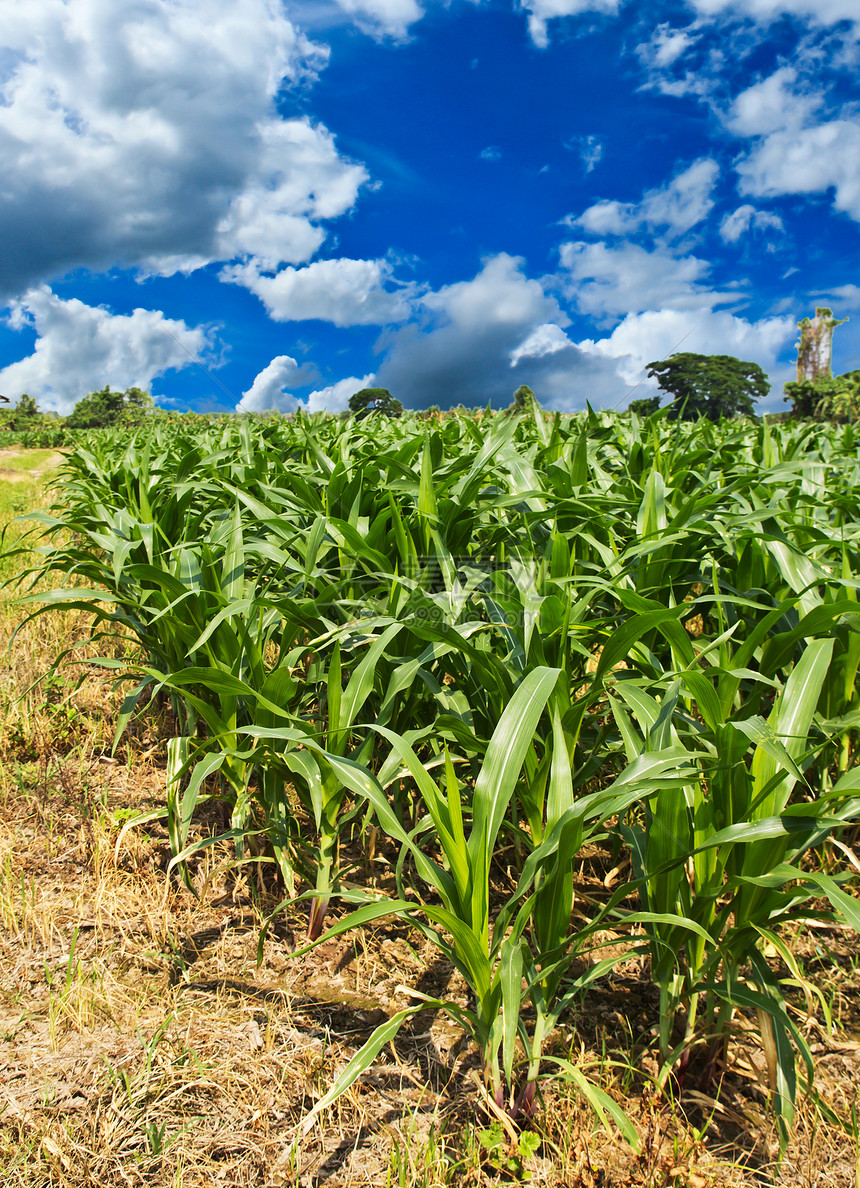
<point>526,949</point>
<point>725,851</point>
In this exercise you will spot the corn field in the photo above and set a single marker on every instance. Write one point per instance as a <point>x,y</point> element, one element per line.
<point>514,636</point>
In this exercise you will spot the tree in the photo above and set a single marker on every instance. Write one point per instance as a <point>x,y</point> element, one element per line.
<point>712,386</point>
<point>829,398</point>
<point>24,416</point>
<point>646,406</point>
<point>815,345</point>
<point>374,400</point>
<point>105,407</point>
<point>524,401</point>
<point>817,392</point>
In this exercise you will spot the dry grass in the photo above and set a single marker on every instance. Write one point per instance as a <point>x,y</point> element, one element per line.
<point>142,1044</point>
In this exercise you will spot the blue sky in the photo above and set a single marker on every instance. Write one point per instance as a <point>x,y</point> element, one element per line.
<point>268,205</point>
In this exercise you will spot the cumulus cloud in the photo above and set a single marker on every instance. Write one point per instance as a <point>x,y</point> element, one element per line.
<point>546,339</point>
<point>300,180</point>
<point>606,281</point>
<point>542,11</point>
<point>745,219</point>
<point>823,157</point>
<point>486,336</point>
<point>341,291</point>
<point>335,398</point>
<point>655,334</point>
<point>269,392</point>
<point>796,149</point>
<point>499,295</point>
<point>773,104</point>
<point>674,208</point>
<point>145,133</point>
<point>82,348</point>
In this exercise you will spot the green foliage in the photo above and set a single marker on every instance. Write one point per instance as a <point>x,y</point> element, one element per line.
<point>500,639</point>
<point>24,417</point>
<point>646,406</point>
<point>831,398</point>
<point>105,408</point>
<point>524,401</point>
<point>711,386</point>
<point>374,400</point>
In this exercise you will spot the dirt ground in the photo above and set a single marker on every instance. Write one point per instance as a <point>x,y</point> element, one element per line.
<point>21,466</point>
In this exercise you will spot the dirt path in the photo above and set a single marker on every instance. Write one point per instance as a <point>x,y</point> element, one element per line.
<point>14,466</point>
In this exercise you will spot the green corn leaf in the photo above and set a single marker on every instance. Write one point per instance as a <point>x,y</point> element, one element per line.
<point>604,1106</point>
<point>511,979</point>
<point>359,1063</point>
<point>760,732</point>
<point>511,740</point>
<point>791,720</point>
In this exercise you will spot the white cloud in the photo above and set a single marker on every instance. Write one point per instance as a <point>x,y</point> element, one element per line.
<point>603,280</point>
<point>301,179</point>
<point>681,62</point>
<point>546,339</point>
<point>387,18</point>
<point>145,133</point>
<point>666,46</point>
<point>268,391</point>
<point>746,218</point>
<point>486,336</point>
<point>811,161</point>
<point>335,398</point>
<point>771,105</point>
<point>500,295</point>
<point>82,348</point>
<point>642,338</point>
<point>606,217</point>
<point>675,207</point>
<point>589,148</point>
<point>491,153</point>
<point>542,11</point>
<point>795,151</point>
<point>822,12</point>
<point>342,291</point>
<point>847,296</point>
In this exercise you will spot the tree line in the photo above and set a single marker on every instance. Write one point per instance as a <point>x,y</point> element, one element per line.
<point>700,386</point>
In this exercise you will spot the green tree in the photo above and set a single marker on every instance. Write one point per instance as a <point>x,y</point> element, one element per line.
<point>646,406</point>
<point>524,401</point>
<point>712,386</point>
<point>373,400</point>
<point>106,407</point>
<point>828,398</point>
<point>24,416</point>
